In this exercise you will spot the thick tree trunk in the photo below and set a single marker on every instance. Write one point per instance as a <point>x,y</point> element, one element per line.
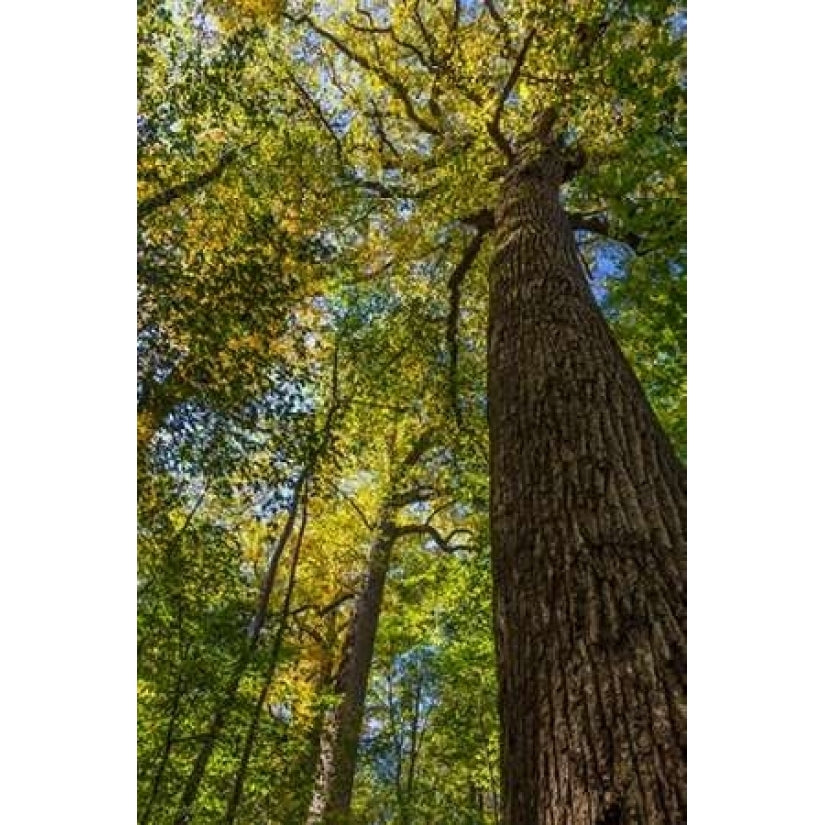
<point>339,741</point>
<point>588,506</point>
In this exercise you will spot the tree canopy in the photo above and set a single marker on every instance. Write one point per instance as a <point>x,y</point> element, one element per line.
<point>315,190</point>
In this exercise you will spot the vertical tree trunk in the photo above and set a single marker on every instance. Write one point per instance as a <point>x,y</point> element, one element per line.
<point>588,506</point>
<point>324,683</point>
<point>226,703</point>
<point>272,666</point>
<point>332,794</point>
<point>169,740</point>
<point>339,741</point>
<point>227,700</point>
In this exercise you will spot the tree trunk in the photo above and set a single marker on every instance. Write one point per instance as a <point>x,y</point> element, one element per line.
<point>339,742</point>
<point>169,741</point>
<point>324,683</point>
<point>272,666</point>
<point>588,504</point>
<point>226,703</point>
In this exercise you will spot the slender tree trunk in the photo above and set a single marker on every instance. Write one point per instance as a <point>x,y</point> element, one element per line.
<point>332,794</point>
<point>167,748</point>
<point>339,742</point>
<point>415,736</point>
<point>272,666</point>
<point>588,506</point>
<point>324,683</point>
<point>227,701</point>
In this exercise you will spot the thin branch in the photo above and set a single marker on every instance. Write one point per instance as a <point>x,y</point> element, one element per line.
<point>483,222</point>
<point>388,193</point>
<point>500,22</point>
<point>315,107</point>
<point>398,89</point>
<point>188,187</point>
<point>437,510</point>
<point>355,506</point>
<point>383,138</point>
<point>335,604</point>
<point>274,655</point>
<point>425,33</point>
<point>389,30</point>
<point>191,514</point>
<point>419,447</point>
<point>494,125</point>
<point>401,530</point>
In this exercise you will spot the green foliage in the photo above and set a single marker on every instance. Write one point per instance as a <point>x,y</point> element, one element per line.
<point>307,187</point>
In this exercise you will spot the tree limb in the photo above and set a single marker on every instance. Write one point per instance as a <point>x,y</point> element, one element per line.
<point>398,89</point>
<point>316,110</point>
<point>600,225</point>
<point>400,530</point>
<point>483,222</point>
<point>188,187</point>
<point>494,125</point>
<point>355,506</point>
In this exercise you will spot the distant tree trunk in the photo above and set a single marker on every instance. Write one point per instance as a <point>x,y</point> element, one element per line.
<point>332,794</point>
<point>339,741</point>
<point>272,666</point>
<point>169,740</point>
<point>588,518</point>
<point>324,682</point>
<point>227,700</point>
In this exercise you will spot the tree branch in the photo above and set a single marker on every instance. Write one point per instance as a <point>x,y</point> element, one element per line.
<point>419,447</point>
<point>494,126</point>
<point>355,506</point>
<point>398,89</point>
<point>483,222</point>
<point>316,110</point>
<point>600,225</point>
<point>389,30</point>
<point>443,543</point>
<point>335,604</point>
<point>500,22</point>
<point>188,187</point>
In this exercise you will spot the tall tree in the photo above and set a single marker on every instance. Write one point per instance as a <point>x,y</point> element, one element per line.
<point>587,496</point>
<point>588,536</point>
<point>352,172</point>
<point>339,742</point>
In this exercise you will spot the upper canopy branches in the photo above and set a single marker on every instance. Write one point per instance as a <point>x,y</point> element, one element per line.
<point>443,91</point>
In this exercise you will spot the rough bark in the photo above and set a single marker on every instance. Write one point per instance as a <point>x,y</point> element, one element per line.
<point>339,742</point>
<point>588,504</point>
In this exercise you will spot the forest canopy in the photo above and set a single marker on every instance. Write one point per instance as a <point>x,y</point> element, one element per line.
<point>354,389</point>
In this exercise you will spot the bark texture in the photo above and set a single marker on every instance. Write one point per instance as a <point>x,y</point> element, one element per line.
<point>588,506</point>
